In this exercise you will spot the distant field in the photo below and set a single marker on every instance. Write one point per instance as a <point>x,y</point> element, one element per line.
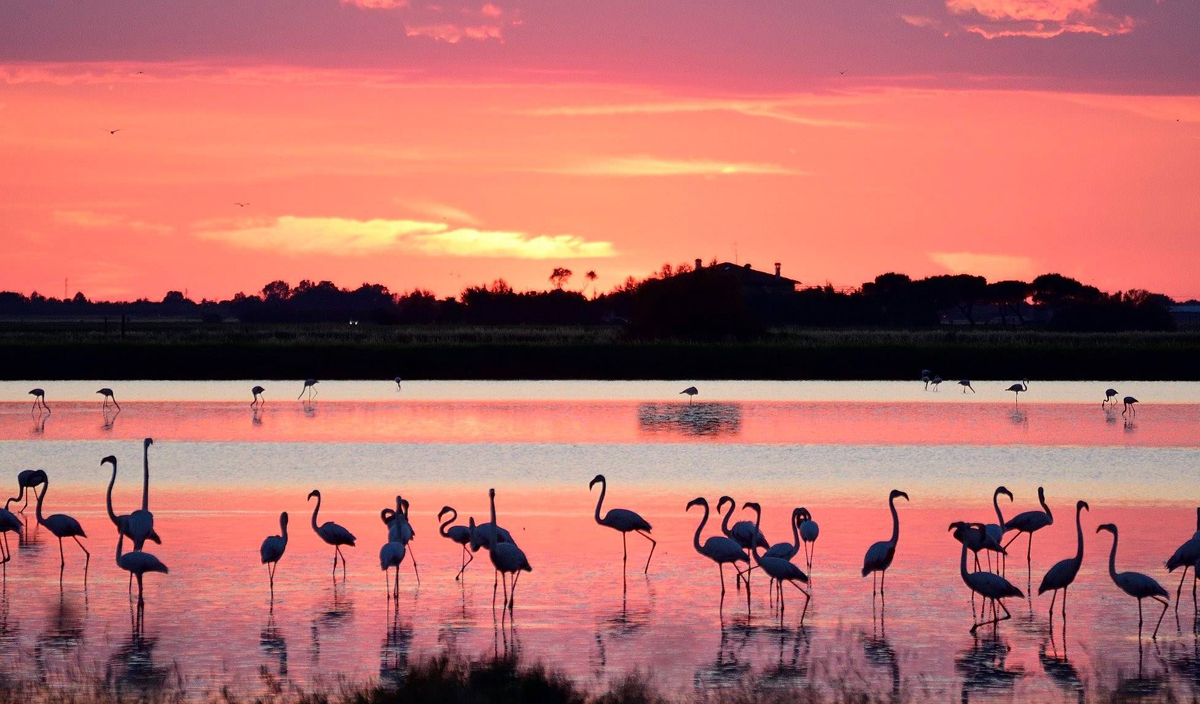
<point>175,350</point>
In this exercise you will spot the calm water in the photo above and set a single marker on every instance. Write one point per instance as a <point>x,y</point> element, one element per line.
<point>221,473</point>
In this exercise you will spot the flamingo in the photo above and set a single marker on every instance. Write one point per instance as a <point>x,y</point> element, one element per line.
<point>1110,396</point>
<point>926,376</point>
<point>720,550</point>
<point>966,384</point>
<point>272,549</point>
<point>457,534</point>
<point>623,521</point>
<point>977,540</point>
<point>487,535</point>
<point>398,380</point>
<point>986,584</point>
<point>257,393</point>
<point>1128,408</point>
<point>1062,574</point>
<point>1018,389</point>
<point>121,521</point>
<point>310,387</point>
<point>1030,522</point>
<point>1135,584</point>
<point>332,534</point>
<point>507,558</point>
<point>779,569</point>
<point>936,382</point>
<point>743,533</point>
<point>400,530</point>
<point>8,523</point>
<point>39,398</point>
<point>1186,555</point>
<point>786,551</point>
<point>691,391</point>
<point>995,531</point>
<point>136,563</point>
<point>809,532</point>
<point>391,555</point>
<point>28,479</point>
<point>141,521</point>
<point>108,395</point>
<point>879,556</point>
<point>62,526</point>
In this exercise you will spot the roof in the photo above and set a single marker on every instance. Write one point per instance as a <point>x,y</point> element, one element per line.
<point>755,278</point>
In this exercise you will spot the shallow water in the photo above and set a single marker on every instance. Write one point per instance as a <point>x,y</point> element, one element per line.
<point>221,474</point>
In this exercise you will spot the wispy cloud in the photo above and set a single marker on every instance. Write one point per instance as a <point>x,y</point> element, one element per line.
<point>454,33</point>
<point>995,267</point>
<point>781,109</point>
<point>348,237</point>
<point>658,166</point>
<point>96,220</point>
<point>439,210</point>
<point>377,4</point>
<point>1043,19</point>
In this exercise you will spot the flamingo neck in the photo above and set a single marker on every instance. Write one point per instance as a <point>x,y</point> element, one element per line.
<point>315,509</point>
<point>492,500</point>
<point>795,531</point>
<point>443,529</point>
<point>42,497</point>
<point>145,477</point>
<point>996,504</point>
<point>728,516</point>
<point>120,545</point>
<point>1042,501</point>
<point>603,489</point>
<point>754,541</point>
<point>1112,558</point>
<point>283,530</point>
<point>700,528</point>
<point>1079,535</point>
<point>962,562</point>
<point>895,520</point>
<point>108,498</point>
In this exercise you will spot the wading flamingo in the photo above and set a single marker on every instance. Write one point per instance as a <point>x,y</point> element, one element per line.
<point>332,534</point>
<point>743,533</point>
<point>879,556</point>
<point>1128,408</point>
<point>272,549</point>
<point>778,569</point>
<point>107,393</point>
<point>926,376</point>
<point>391,555</point>
<point>1186,555</point>
<point>809,532</point>
<point>719,549</point>
<point>8,523</point>
<point>310,387</point>
<point>62,526</point>
<point>1018,389</point>
<point>28,479</point>
<point>786,551</point>
<point>401,531</point>
<point>141,521</point>
<point>121,522</point>
<point>936,382</point>
<point>691,391</point>
<point>460,535</point>
<point>623,521</point>
<point>986,584</point>
<point>398,380</point>
<point>486,535</point>
<point>508,559</point>
<point>1135,584</point>
<point>966,384</point>
<point>1030,522</point>
<point>995,531</point>
<point>257,394</point>
<point>136,563</point>
<point>39,399</point>
<point>1062,574</point>
<point>1110,396</point>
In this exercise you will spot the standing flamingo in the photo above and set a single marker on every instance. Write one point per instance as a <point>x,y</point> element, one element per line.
<point>1186,555</point>
<point>272,549</point>
<point>487,535</point>
<point>1062,574</point>
<point>1135,584</point>
<point>780,570</point>
<point>809,532</point>
<point>879,556</point>
<point>986,584</point>
<point>62,526</point>
<point>623,521</point>
<point>122,522</point>
<point>936,382</point>
<point>926,376</point>
<point>691,392</point>
<point>457,534</point>
<point>508,559</point>
<point>257,394</point>
<point>391,555</point>
<point>786,551</point>
<point>398,380</point>
<point>107,393</point>
<point>28,479</point>
<point>8,523</point>
<point>966,384</point>
<point>39,398</point>
<point>1030,522</point>
<point>719,549</point>
<point>995,531</point>
<point>310,387</point>
<point>400,530</point>
<point>141,521</point>
<point>332,534</point>
<point>743,533</point>
<point>1018,389</point>
<point>136,563</point>
<point>1128,408</point>
<point>1110,396</point>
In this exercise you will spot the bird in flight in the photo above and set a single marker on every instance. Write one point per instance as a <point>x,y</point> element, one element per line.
<point>842,72</point>
<point>114,131</point>
<point>241,205</point>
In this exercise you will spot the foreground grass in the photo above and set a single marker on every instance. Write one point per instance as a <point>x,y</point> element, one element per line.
<point>235,351</point>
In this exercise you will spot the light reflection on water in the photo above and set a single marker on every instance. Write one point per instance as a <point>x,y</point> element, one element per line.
<point>219,482</point>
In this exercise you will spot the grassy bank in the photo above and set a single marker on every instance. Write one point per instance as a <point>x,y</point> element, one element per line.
<point>233,351</point>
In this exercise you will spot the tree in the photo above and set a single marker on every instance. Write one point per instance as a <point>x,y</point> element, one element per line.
<point>277,290</point>
<point>591,278</point>
<point>559,276</point>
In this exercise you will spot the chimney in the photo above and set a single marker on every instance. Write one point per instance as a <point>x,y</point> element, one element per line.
<point>778,266</point>
<point>746,266</point>
<point>699,264</point>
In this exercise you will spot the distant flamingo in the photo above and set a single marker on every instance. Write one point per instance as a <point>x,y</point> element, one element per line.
<point>310,387</point>
<point>926,376</point>
<point>39,398</point>
<point>391,555</point>
<point>62,526</point>
<point>1186,555</point>
<point>8,523</point>
<point>780,570</point>
<point>136,563</point>
<point>107,393</point>
<point>1129,401</point>
<point>986,584</point>
<point>936,382</point>
<point>966,384</point>
<point>28,479</point>
<point>398,380</point>
<point>719,549</point>
<point>1135,584</point>
<point>623,521</point>
<point>1030,522</point>
<point>457,534</point>
<point>1062,574</point>
<point>258,399</point>
<point>691,391</point>
<point>272,549</point>
<point>880,555</point>
<point>332,534</point>
<point>508,559</point>
<point>809,532</point>
<point>1018,389</point>
<point>1110,396</point>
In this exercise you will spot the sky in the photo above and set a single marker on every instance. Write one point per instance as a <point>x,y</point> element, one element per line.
<point>443,145</point>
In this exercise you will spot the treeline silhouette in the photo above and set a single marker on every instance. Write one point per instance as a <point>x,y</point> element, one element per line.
<point>708,302</point>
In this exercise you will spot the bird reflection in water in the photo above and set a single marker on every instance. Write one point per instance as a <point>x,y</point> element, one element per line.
<point>1184,659</point>
<point>256,416</point>
<point>273,644</point>
<point>1059,668</point>
<point>878,651</point>
<point>984,667</point>
<point>728,668</point>
<point>109,416</point>
<point>9,632</point>
<point>39,422</point>
<point>132,664</point>
<point>1142,686</point>
<point>340,608</point>
<point>393,653</point>
<point>791,669</point>
<point>62,636</point>
<point>1019,418</point>
<point>699,420</point>
<point>621,624</point>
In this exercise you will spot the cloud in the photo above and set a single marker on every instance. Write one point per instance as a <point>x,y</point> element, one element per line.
<point>453,33</point>
<point>658,166</point>
<point>290,234</point>
<point>439,210</point>
<point>1035,18</point>
<point>95,220</point>
<point>995,267</point>
<point>779,109</point>
<point>377,4</point>
<point>490,10</point>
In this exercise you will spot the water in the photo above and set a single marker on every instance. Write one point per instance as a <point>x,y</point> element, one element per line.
<point>222,473</point>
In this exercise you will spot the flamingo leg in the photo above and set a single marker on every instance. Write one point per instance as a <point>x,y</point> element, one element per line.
<point>1053,596</point>
<point>396,588</point>
<point>1179,589</point>
<point>335,554</point>
<point>653,544</point>
<point>141,601</point>
<point>414,561</point>
<point>1166,605</point>
<point>1064,609</point>
<point>721,569</point>
<point>812,551</point>
<point>61,557</point>
<point>495,585</point>
<point>624,552</point>
<point>505,582</point>
<point>1139,619</point>
<point>513,597</point>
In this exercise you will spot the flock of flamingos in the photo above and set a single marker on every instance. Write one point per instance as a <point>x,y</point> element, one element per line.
<point>740,543</point>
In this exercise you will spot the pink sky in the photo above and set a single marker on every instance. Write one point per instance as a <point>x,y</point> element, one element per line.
<point>437,146</point>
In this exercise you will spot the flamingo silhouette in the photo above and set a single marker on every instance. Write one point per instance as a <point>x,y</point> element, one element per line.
<point>457,534</point>
<point>966,384</point>
<point>1030,522</point>
<point>136,563</point>
<point>691,392</point>
<point>720,550</point>
<point>926,376</point>
<point>624,521</point>
<point>28,479</point>
<point>62,526</point>
<point>398,380</point>
<point>391,555</point>
<point>272,549</point>
<point>995,531</point>
<point>936,382</point>
<point>332,534</point>
<point>880,555</point>
<point>8,523</point>
<point>508,559</point>
<point>310,387</point>
<point>1135,584</point>
<point>1186,555</point>
<point>122,522</point>
<point>39,398</point>
<point>1062,574</point>
<point>107,393</point>
<point>780,570</point>
<point>400,530</point>
<point>986,584</point>
<point>786,551</point>
<point>743,533</point>
<point>809,532</point>
<point>487,535</point>
<point>1128,408</point>
<point>257,393</point>
<point>1110,396</point>
<point>1018,389</point>
<point>141,521</point>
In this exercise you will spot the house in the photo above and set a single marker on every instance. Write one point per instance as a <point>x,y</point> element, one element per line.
<point>754,281</point>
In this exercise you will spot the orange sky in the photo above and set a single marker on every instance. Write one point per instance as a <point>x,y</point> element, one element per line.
<point>454,154</point>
